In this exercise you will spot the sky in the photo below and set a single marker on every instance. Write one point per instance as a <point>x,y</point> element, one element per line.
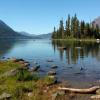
<point>40,16</point>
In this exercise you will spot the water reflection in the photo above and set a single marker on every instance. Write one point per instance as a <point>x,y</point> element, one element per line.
<point>76,61</point>
<point>75,50</point>
<point>8,44</point>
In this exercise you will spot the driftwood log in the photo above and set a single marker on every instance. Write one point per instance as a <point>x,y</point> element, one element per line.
<point>84,91</point>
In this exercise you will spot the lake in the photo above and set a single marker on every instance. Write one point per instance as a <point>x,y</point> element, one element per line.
<point>78,63</point>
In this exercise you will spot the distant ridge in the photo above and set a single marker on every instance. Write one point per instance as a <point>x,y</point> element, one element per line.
<point>45,36</point>
<point>96,21</point>
<point>41,36</point>
<point>8,32</point>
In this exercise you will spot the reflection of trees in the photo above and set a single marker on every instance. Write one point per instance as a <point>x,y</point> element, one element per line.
<point>76,50</point>
<point>7,44</point>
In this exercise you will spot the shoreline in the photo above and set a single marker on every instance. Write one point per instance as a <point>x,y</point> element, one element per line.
<point>79,40</point>
<point>48,85</point>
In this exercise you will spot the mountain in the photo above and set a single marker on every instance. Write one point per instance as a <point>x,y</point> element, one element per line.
<point>33,36</point>
<point>41,36</point>
<point>45,36</point>
<point>7,32</point>
<point>96,21</point>
<point>26,34</point>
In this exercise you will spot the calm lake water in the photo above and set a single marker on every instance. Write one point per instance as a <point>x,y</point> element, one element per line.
<point>78,63</point>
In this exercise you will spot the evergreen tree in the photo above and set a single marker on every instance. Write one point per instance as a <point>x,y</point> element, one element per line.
<point>54,34</point>
<point>97,34</point>
<point>61,29</point>
<point>68,30</point>
<point>76,29</point>
<point>75,26</point>
<point>82,27</point>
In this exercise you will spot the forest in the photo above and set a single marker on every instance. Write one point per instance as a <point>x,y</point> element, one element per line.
<point>74,28</point>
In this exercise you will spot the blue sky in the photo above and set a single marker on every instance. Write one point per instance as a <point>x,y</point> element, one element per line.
<point>40,16</point>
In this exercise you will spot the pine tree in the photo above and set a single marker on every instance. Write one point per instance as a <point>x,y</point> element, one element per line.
<point>75,26</point>
<point>97,34</point>
<point>68,29</point>
<point>76,29</point>
<point>54,33</point>
<point>82,27</point>
<point>61,29</point>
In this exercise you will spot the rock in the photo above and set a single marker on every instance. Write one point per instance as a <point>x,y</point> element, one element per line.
<point>8,58</point>
<point>54,96</point>
<point>13,59</point>
<point>98,91</point>
<point>45,91</point>
<point>95,97</point>
<point>30,94</point>
<point>63,48</point>
<point>51,76</point>
<point>5,96</point>
<point>36,68</point>
<point>51,73</point>
<point>72,94</point>
<point>3,57</point>
<point>54,80</point>
<point>54,66</point>
<point>78,73</point>
<point>51,80</point>
<point>21,62</point>
<point>12,72</point>
<point>26,64</point>
<point>16,60</point>
<point>59,93</point>
<point>35,62</point>
<point>50,60</point>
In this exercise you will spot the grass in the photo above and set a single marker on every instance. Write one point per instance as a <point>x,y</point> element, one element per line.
<point>48,81</point>
<point>7,66</point>
<point>23,83</point>
<point>81,40</point>
<point>24,75</point>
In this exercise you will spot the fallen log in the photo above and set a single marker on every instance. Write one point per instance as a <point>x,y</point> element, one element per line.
<point>89,90</point>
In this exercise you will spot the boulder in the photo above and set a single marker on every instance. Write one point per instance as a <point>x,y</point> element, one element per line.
<point>21,62</point>
<point>98,92</point>
<point>30,94</point>
<point>55,95</point>
<point>16,60</point>
<point>50,60</point>
<point>3,57</point>
<point>59,93</point>
<point>5,96</point>
<point>25,65</point>
<point>54,66</point>
<point>12,72</point>
<point>36,68</point>
<point>51,72</point>
<point>51,80</point>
